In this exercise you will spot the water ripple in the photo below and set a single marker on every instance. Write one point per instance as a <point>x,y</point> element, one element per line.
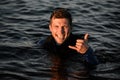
<point>24,22</point>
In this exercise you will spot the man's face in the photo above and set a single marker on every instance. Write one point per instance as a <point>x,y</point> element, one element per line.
<point>60,29</point>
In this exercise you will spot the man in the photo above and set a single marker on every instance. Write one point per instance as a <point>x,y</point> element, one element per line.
<point>65,46</point>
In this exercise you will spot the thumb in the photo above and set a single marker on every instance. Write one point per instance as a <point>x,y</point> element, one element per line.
<point>86,37</point>
<point>72,47</point>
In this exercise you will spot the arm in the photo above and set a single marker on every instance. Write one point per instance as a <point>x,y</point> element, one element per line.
<point>90,57</point>
<point>41,42</point>
<point>83,48</point>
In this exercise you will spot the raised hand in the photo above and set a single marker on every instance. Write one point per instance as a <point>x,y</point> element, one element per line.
<point>81,45</point>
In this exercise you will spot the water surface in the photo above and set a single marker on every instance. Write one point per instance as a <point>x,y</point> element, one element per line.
<point>24,22</point>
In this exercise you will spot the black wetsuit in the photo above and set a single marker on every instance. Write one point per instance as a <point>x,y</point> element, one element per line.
<point>62,55</point>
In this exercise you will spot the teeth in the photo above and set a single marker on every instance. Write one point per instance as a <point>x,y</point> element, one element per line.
<point>61,37</point>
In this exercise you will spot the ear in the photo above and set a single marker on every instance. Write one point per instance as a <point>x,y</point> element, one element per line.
<point>70,28</point>
<point>50,27</point>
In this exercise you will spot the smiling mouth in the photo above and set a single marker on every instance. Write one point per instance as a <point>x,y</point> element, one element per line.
<point>60,37</point>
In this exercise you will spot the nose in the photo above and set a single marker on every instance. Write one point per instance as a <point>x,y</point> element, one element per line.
<point>61,30</point>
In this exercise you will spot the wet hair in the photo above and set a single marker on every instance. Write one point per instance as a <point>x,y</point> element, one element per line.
<point>61,13</point>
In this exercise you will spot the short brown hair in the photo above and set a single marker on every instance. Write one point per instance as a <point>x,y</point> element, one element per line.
<point>61,13</point>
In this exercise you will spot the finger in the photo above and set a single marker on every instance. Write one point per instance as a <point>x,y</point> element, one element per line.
<point>86,36</point>
<point>79,44</point>
<point>78,47</point>
<point>80,40</point>
<point>72,47</point>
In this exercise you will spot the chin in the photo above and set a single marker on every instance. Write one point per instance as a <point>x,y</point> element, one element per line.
<point>59,42</point>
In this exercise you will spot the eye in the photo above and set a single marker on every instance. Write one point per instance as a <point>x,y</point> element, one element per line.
<point>65,26</point>
<point>56,26</point>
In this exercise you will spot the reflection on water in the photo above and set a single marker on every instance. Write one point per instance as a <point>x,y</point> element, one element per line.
<point>58,69</point>
<point>24,22</point>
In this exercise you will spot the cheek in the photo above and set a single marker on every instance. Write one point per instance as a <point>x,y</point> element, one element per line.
<point>67,31</point>
<point>53,30</point>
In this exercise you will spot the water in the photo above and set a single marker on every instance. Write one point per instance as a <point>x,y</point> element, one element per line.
<point>24,22</point>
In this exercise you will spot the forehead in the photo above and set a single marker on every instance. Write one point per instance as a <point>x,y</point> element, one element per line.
<point>60,20</point>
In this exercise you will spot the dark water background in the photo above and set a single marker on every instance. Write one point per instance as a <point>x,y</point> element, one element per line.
<point>24,22</point>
